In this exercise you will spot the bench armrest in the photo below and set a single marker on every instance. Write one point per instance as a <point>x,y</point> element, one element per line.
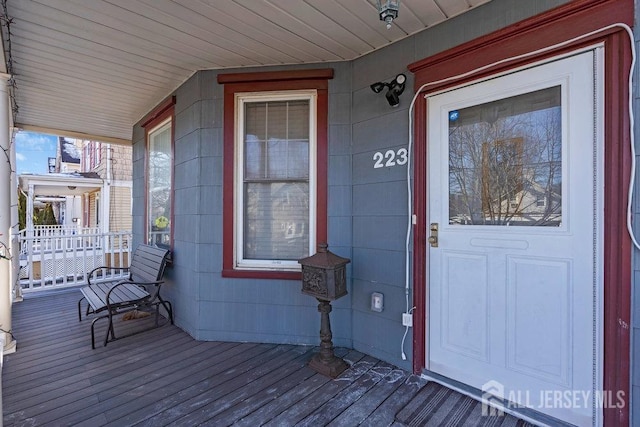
<point>90,275</point>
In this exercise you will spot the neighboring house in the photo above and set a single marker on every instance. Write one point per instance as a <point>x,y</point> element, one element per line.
<point>255,156</point>
<point>109,208</point>
<point>103,200</point>
<point>63,190</point>
<point>69,211</point>
<point>68,156</point>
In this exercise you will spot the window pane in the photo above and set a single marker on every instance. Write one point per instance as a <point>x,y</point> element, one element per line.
<point>254,119</point>
<point>159,186</point>
<point>254,157</point>
<point>274,182</point>
<point>298,119</point>
<point>298,159</point>
<point>276,118</point>
<point>505,161</point>
<point>276,141</point>
<point>276,221</point>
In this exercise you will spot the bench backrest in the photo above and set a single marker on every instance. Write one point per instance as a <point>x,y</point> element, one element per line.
<point>148,263</point>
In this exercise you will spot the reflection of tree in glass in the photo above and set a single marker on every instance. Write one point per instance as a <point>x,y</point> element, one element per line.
<point>505,162</point>
<point>276,220</point>
<point>159,187</point>
<point>160,178</point>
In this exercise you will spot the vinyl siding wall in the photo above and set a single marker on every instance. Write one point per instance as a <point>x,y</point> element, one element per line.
<point>367,207</point>
<point>380,195</point>
<point>120,162</point>
<point>93,209</point>
<point>120,209</point>
<point>120,172</point>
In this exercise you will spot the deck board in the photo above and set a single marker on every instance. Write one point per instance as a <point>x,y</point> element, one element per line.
<point>165,377</point>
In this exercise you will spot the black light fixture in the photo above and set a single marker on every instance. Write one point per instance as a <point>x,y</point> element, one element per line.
<point>388,10</point>
<point>395,89</point>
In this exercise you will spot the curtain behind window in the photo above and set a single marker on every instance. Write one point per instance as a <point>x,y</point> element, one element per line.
<point>276,180</point>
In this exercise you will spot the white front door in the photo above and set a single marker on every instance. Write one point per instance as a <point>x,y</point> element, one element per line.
<point>514,281</point>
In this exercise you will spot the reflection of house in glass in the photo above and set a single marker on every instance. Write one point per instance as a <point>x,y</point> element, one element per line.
<point>505,159</point>
<point>534,205</point>
<point>277,220</point>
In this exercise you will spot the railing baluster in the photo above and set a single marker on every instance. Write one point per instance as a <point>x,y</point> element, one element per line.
<point>30,263</point>
<point>65,248</point>
<point>67,254</point>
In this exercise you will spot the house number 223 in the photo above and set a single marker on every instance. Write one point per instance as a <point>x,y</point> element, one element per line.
<point>390,158</point>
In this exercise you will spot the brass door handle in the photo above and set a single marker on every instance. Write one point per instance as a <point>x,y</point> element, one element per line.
<point>433,237</point>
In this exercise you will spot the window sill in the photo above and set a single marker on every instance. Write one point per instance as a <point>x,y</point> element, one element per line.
<point>262,274</point>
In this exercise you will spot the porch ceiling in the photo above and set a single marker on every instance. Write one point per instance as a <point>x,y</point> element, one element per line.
<point>93,68</point>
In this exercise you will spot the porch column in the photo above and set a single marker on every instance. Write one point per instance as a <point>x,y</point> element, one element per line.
<point>29,215</point>
<point>15,223</point>
<point>106,194</point>
<point>86,210</point>
<point>5,220</point>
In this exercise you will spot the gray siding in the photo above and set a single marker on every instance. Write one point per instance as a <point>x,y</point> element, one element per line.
<point>209,306</point>
<point>367,207</point>
<point>380,195</point>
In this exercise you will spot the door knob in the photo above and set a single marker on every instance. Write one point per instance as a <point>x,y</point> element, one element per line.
<point>433,237</point>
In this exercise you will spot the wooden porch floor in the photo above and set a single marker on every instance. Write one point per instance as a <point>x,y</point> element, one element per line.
<point>165,377</point>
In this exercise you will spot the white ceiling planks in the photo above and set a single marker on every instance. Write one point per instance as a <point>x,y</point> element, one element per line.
<point>240,22</point>
<point>356,16</point>
<point>195,21</point>
<point>429,12</point>
<point>97,66</point>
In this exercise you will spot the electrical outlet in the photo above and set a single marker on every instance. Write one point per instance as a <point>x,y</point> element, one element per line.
<point>407,319</point>
<point>377,302</point>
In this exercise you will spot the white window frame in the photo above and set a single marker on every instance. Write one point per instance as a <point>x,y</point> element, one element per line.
<point>153,132</point>
<point>241,99</point>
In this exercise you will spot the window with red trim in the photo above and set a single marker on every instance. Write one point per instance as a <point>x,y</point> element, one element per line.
<point>275,183</point>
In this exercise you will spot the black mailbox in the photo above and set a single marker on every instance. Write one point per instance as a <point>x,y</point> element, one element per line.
<point>324,276</point>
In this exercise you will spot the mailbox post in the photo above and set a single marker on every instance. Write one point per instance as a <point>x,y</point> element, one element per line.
<point>324,276</point>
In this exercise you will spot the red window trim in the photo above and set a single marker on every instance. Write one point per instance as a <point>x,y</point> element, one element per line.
<point>263,82</point>
<point>161,113</point>
<point>558,25</point>
<point>274,76</point>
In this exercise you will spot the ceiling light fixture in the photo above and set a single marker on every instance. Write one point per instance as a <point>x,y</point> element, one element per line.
<point>388,10</point>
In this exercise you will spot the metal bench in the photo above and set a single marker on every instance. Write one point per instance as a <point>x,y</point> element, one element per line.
<point>139,291</point>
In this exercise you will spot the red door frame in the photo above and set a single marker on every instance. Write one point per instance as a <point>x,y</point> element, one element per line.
<point>557,26</point>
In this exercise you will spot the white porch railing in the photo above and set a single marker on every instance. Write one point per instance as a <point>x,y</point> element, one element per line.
<point>58,256</point>
<point>46,237</point>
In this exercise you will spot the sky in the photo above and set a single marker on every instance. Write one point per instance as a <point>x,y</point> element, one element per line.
<point>33,151</point>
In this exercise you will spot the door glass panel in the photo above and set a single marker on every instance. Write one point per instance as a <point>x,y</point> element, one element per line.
<point>505,161</point>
